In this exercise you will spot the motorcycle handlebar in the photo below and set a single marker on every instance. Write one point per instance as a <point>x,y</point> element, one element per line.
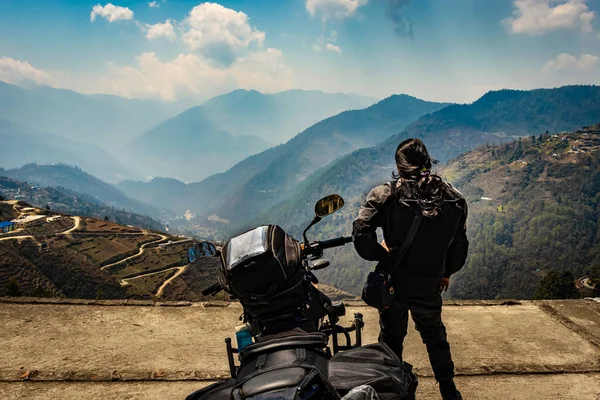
<point>327,244</point>
<point>316,248</point>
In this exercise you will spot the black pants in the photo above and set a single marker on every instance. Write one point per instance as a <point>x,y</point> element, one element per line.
<point>427,315</point>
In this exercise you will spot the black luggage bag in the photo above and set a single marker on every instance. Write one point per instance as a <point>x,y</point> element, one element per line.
<point>375,365</point>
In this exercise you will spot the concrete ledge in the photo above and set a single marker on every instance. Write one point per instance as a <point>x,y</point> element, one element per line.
<point>128,349</point>
<point>119,303</point>
<point>130,302</point>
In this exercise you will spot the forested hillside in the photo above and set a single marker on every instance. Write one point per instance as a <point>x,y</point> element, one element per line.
<point>73,178</point>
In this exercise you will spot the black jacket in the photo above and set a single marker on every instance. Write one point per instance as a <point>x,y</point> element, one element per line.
<point>439,248</point>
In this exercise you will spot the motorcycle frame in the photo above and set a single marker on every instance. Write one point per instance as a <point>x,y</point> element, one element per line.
<point>332,331</point>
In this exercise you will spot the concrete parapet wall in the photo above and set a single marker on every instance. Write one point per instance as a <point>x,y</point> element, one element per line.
<point>178,346</point>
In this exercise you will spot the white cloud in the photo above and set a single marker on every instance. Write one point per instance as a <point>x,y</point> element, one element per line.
<point>333,8</point>
<point>188,76</point>
<point>223,59</point>
<point>161,30</point>
<point>536,17</point>
<point>111,13</point>
<point>567,61</point>
<point>191,75</point>
<point>218,32</point>
<point>21,72</point>
<point>153,4</point>
<point>333,47</point>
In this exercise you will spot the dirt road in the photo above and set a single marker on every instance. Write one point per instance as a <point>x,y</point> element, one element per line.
<point>180,271</point>
<point>140,252</point>
<point>159,292</point>
<point>76,221</point>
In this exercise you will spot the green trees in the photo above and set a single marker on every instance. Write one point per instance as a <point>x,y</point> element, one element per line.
<point>557,285</point>
<point>13,289</point>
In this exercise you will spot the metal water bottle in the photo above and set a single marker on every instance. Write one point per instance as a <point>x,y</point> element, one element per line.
<point>243,336</point>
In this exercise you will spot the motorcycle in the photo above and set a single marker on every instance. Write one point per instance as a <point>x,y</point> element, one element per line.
<point>285,354</point>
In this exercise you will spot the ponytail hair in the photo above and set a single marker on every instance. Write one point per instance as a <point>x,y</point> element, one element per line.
<point>414,168</point>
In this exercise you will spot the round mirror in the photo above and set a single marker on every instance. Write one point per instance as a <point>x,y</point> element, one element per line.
<point>202,249</point>
<point>328,205</point>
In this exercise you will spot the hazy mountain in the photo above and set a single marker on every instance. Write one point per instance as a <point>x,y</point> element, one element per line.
<point>213,137</point>
<point>20,146</point>
<point>189,147</point>
<point>288,163</point>
<point>180,197</point>
<point>277,117</point>
<point>318,146</point>
<point>73,178</point>
<point>106,121</point>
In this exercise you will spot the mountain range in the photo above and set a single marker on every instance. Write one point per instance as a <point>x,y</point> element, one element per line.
<point>22,146</point>
<point>277,117</point>
<point>151,138</point>
<point>213,137</point>
<point>265,178</point>
<point>447,133</point>
<point>101,120</point>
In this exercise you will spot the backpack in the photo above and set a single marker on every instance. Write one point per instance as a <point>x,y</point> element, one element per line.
<point>375,365</point>
<point>263,269</point>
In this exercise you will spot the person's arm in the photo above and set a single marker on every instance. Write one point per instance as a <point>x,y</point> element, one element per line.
<point>457,252</point>
<point>364,227</point>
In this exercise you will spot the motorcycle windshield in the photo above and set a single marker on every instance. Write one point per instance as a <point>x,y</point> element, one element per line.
<point>247,245</point>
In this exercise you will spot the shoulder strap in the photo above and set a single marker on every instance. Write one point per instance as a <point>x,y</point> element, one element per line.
<point>414,227</point>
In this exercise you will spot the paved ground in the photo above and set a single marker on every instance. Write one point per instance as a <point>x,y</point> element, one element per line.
<point>109,350</point>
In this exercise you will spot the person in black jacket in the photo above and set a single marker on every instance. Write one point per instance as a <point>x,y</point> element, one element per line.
<point>439,249</point>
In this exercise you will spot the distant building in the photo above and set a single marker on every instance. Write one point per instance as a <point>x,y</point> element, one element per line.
<point>7,226</point>
<point>29,221</point>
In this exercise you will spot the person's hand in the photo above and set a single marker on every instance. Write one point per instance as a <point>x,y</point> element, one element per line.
<point>444,284</point>
<point>385,246</point>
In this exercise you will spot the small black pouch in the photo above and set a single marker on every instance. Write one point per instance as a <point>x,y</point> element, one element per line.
<point>378,291</point>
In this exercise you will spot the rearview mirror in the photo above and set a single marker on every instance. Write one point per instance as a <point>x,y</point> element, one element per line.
<point>202,249</point>
<point>328,205</point>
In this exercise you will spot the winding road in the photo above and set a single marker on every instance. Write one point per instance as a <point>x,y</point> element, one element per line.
<point>76,224</point>
<point>139,253</point>
<point>159,292</point>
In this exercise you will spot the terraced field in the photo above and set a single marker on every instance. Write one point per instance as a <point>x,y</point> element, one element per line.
<point>89,258</point>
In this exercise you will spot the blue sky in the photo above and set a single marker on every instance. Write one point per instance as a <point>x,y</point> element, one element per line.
<point>445,50</point>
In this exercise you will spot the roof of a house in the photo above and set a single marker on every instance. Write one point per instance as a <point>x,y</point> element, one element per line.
<point>28,218</point>
<point>5,224</point>
<point>84,349</point>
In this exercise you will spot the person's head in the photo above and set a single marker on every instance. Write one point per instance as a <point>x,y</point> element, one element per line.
<point>412,159</point>
<point>414,168</point>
